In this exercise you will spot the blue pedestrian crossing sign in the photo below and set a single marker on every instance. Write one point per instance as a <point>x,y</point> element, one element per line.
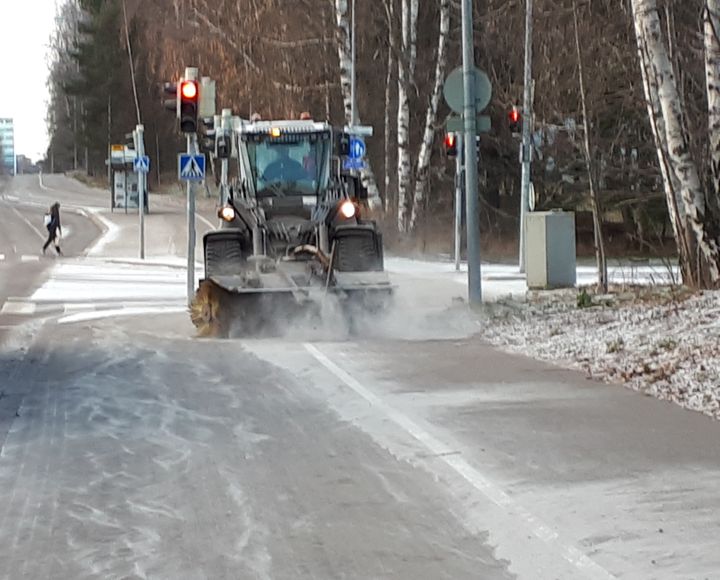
<point>191,167</point>
<point>141,164</point>
<point>357,148</point>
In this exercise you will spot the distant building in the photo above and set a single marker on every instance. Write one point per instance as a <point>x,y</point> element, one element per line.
<point>24,165</point>
<point>7,147</point>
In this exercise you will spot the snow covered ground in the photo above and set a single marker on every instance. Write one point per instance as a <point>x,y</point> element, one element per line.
<point>650,338</point>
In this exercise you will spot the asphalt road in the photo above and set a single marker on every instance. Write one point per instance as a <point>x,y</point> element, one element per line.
<point>409,450</point>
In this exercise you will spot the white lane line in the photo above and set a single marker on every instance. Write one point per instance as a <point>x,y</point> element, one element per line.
<point>112,231</point>
<point>206,221</point>
<point>29,258</point>
<point>29,223</point>
<point>130,311</point>
<point>2,257</point>
<point>42,185</point>
<point>469,473</point>
<point>18,308</point>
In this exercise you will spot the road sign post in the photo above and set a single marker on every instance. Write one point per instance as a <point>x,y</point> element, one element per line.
<point>190,226</point>
<point>468,91</point>
<point>458,200</point>
<point>141,165</point>
<point>470,79</point>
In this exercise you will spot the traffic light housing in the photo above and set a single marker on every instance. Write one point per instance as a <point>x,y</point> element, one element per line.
<point>188,111</point>
<point>515,120</point>
<point>170,97</point>
<point>451,149</point>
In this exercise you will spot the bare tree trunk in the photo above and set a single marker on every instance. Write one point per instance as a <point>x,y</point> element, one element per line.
<point>675,205</point>
<point>392,49</point>
<point>711,27</point>
<point>594,200</point>
<point>683,166</point>
<point>343,44</point>
<point>422,174</point>
<point>403,118</point>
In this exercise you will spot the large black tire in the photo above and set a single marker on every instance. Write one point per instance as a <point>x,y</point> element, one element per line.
<point>226,252</point>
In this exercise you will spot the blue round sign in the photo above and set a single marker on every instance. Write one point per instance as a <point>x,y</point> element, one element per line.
<point>357,148</point>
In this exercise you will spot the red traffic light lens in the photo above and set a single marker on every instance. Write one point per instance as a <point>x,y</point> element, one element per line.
<point>450,140</point>
<point>514,115</point>
<point>189,90</point>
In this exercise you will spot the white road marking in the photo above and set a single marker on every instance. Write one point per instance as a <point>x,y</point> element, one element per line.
<point>128,311</point>
<point>2,257</point>
<point>206,221</point>
<point>42,185</point>
<point>459,465</point>
<point>29,223</point>
<point>112,231</point>
<point>23,308</point>
<point>29,258</point>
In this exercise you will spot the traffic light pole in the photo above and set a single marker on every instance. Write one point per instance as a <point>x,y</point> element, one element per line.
<point>527,123</point>
<point>458,200</point>
<point>470,154</point>
<point>191,150</point>
<point>142,180</point>
<point>226,128</point>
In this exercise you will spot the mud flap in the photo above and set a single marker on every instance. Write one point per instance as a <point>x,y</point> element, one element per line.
<point>358,248</point>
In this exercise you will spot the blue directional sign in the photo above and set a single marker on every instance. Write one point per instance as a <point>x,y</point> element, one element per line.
<point>351,164</point>
<point>141,164</point>
<point>357,148</point>
<point>191,167</point>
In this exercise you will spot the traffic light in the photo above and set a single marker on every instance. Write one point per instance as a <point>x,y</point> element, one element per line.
<point>170,97</point>
<point>514,120</point>
<point>451,145</point>
<point>223,148</point>
<point>189,96</point>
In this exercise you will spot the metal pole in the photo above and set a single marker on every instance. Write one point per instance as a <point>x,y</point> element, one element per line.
<point>471,170</point>
<point>157,156</point>
<point>353,96</point>
<point>140,152</point>
<point>109,138</point>
<point>191,229</point>
<point>226,129</point>
<point>527,124</point>
<point>458,200</point>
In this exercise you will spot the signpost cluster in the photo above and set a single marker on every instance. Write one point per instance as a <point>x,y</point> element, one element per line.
<point>468,91</point>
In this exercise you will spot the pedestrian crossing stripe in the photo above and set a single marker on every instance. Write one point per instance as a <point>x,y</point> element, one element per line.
<point>191,167</point>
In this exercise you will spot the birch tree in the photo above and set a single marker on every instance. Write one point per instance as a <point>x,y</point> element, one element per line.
<point>392,50</point>
<point>422,174</point>
<point>655,60</point>
<point>345,62</point>
<point>406,66</point>
<point>711,29</point>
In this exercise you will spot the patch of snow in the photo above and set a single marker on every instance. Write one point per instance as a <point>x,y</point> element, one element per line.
<point>666,347</point>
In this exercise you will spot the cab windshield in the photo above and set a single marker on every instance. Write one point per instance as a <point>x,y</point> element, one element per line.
<point>287,165</point>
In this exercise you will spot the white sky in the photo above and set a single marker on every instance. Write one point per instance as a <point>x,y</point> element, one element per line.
<point>24,37</point>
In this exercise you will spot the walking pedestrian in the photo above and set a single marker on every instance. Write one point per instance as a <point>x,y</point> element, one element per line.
<point>52,222</point>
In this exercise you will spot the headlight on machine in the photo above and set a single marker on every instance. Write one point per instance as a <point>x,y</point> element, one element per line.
<point>348,209</point>
<point>227,213</point>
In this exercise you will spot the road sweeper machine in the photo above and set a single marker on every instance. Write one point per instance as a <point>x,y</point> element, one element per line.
<point>292,238</point>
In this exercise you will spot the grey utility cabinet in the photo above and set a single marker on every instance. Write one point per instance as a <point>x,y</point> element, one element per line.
<point>550,250</point>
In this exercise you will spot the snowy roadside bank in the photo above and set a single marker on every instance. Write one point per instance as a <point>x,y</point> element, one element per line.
<point>664,346</point>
